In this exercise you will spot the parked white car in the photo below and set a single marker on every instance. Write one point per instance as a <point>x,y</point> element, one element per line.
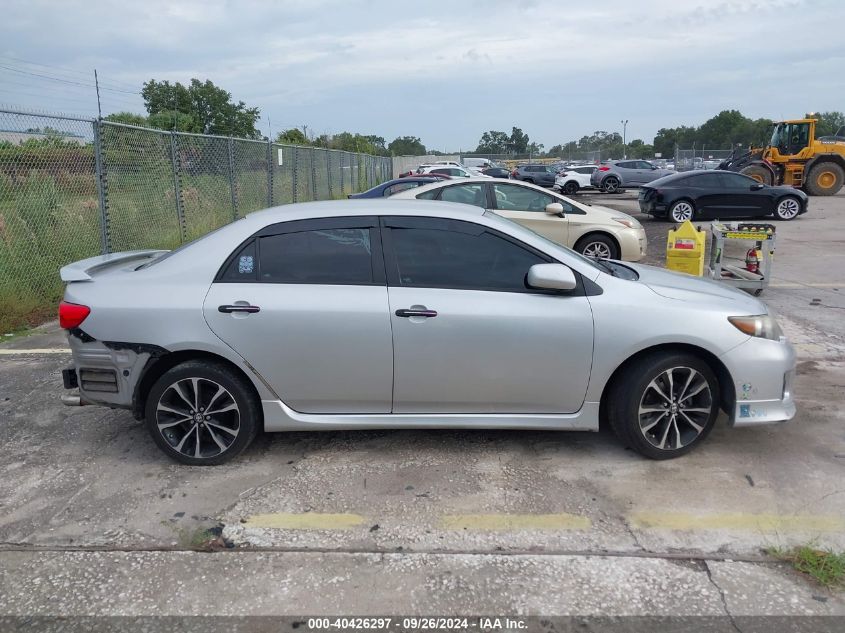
<point>450,170</point>
<point>571,179</point>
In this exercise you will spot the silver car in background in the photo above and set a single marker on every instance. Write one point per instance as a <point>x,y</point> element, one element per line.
<point>614,175</point>
<point>411,314</point>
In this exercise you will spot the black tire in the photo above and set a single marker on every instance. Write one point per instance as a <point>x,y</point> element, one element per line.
<point>611,184</point>
<point>758,173</point>
<point>678,208</point>
<point>824,179</point>
<point>234,428</point>
<point>531,180</point>
<point>632,387</point>
<point>787,208</point>
<point>570,188</point>
<point>592,242</point>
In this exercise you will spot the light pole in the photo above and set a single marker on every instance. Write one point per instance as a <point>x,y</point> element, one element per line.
<point>624,144</point>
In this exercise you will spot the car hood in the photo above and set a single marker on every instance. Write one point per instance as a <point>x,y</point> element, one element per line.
<point>691,289</point>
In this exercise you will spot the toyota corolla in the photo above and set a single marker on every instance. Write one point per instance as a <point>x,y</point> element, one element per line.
<point>355,315</point>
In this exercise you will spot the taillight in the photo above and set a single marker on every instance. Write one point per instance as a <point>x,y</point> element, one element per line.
<point>605,168</point>
<point>71,315</point>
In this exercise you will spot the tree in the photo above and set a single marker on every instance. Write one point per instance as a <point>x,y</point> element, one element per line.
<point>493,142</point>
<point>211,109</point>
<point>828,122</point>
<point>130,118</point>
<point>406,146</point>
<point>172,120</point>
<point>293,136</point>
<point>519,141</point>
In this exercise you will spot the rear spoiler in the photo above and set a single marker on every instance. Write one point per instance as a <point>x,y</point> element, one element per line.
<point>84,269</point>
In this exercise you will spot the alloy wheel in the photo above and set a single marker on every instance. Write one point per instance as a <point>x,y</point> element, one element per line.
<point>198,417</point>
<point>788,208</point>
<point>682,211</point>
<point>611,185</point>
<point>597,250</point>
<point>675,408</point>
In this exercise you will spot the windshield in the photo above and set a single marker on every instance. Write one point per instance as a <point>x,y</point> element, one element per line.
<point>777,134</point>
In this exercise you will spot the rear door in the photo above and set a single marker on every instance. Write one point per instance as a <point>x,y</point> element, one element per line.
<point>305,303</point>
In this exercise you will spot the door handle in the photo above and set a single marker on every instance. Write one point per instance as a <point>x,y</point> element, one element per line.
<point>410,312</point>
<point>228,309</point>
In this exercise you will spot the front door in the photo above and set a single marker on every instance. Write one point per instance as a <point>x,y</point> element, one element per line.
<point>741,201</point>
<point>468,335</point>
<point>527,207</point>
<point>305,303</point>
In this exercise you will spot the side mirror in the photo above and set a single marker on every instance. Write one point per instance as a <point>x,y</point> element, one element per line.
<point>554,208</point>
<point>757,186</point>
<point>551,277</point>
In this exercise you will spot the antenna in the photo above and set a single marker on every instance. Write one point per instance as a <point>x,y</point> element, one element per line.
<point>97,86</point>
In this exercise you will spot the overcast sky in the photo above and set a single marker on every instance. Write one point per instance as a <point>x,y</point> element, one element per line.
<point>443,71</point>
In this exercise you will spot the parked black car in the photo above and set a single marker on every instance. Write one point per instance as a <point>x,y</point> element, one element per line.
<point>538,174</point>
<point>718,194</point>
<point>496,172</point>
<point>396,185</point>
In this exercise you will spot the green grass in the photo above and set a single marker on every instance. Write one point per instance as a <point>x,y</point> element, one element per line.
<point>50,217</point>
<point>825,566</point>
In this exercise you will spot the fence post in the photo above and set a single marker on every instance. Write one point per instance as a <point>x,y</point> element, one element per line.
<point>177,185</point>
<point>342,181</point>
<point>270,173</point>
<point>314,196</point>
<point>232,185</point>
<point>295,169</point>
<point>329,172</point>
<point>102,188</point>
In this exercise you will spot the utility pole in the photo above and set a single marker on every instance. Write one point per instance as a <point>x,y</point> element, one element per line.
<point>624,139</point>
<point>97,85</point>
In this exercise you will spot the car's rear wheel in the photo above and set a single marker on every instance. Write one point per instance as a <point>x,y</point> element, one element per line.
<point>788,208</point>
<point>611,184</point>
<point>598,247</point>
<point>570,188</point>
<point>202,413</point>
<point>681,211</point>
<point>664,404</point>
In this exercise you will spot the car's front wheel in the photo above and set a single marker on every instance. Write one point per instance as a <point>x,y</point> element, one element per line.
<point>598,247</point>
<point>664,404</point>
<point>202,413</point>
<point>788,208</point>
<point>570,188</point>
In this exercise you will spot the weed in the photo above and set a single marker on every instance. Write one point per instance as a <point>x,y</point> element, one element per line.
<point>825,566</point>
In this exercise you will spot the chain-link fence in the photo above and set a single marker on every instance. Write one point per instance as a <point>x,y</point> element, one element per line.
<point>73,188</point>
<point>689,159</point>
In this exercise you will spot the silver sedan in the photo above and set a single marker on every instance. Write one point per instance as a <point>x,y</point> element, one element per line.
<point>354,315</point>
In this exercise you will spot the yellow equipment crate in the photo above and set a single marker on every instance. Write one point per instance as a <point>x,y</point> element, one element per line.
<point>685,250</point>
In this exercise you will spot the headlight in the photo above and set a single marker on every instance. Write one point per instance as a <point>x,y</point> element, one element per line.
<point>762,326</point>
<point>631,223</point>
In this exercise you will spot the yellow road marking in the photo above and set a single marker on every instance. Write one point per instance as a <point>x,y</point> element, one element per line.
<point>15,352</point>
<point>561,521</point>
<point>737,521</point>
<point>305,521</point>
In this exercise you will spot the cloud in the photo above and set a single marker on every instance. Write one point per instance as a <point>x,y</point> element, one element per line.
<point>446,72</point>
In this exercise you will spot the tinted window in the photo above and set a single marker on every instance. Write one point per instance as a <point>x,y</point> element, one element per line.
<point>428,195</point>
<point>331,256</point>
<point>516,198</point>
<point>735,181</point>
<point>400,186</point>
<point>467,194</point>
<point>706,181</point>
<point>585,170</point>
<point>243,266</point>
<point>643,165</point>
<point>452,259</point>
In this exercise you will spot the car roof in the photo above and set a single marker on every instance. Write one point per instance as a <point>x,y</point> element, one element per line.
<point>355,207</point>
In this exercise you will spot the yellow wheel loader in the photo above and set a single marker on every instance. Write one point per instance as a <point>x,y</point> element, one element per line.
<point>794,156</point>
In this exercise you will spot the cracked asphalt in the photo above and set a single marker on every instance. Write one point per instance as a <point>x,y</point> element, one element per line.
<point>95,521</point>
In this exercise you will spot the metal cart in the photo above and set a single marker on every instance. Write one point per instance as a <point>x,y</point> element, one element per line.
<point>720,268</point>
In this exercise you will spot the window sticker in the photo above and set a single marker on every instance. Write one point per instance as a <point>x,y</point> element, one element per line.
<point>246,264</point>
